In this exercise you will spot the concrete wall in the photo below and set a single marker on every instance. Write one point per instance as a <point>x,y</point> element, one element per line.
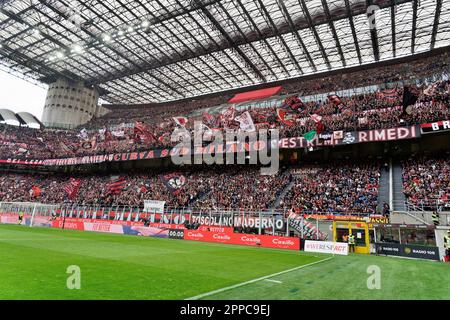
<point>69,104</point>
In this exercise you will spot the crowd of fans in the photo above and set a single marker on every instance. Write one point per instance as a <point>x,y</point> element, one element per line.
<point>116,131</point>
<point>330,189</point>
<point>333,188</point>
<point>426,181</point>
<point>366,111</point>
<point>418,69</point>
<point>228,188</point>
<point>342,188</point>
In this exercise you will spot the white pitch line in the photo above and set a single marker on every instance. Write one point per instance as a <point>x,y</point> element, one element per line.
<point>255,280</point>
<point>274,281</point>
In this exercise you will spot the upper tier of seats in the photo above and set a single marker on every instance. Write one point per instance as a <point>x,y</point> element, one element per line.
<point>368,110</point>
<point>418,69</point>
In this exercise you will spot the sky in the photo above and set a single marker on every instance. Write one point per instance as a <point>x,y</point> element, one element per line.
<point>19,95</point>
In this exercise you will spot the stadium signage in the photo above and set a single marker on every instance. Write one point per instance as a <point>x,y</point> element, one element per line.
<point>326,247</point>
<point>244,239</point>
<point>354,137</point>
<point>245,222</point>
<point>408,250</point>
<point>176,234</point>
<point>346,138</point>
<point>155,206</point>
<point>435,126</point>
<point>160,231</point>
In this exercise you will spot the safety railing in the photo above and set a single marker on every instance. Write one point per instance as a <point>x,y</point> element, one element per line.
<point>440,205</point>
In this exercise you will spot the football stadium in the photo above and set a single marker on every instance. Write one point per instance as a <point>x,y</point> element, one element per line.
<point>225,150</point>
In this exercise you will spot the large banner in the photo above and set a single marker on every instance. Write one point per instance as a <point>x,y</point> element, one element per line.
<point>338,138</point>
<point>306,228</point>
<point>155,206</point>
<point>435,127</point>
<point>408,250</point>
<point>326,247</point>
<point>244,239</point>
<point>265,222</point>
<point>119,227</point>
<point>28,220</point>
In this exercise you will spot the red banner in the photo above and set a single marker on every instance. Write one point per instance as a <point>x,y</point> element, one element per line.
<point>244,239</point>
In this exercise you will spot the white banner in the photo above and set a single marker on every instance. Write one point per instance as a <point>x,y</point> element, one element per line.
<point>326,247</point>
<point>246,122</point>
<point>154,206</point>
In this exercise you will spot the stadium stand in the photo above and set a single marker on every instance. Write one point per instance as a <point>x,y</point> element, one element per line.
<point>426,181</point>
<point>229,188</point>
<point>382,109</point>
<point>335,188</point>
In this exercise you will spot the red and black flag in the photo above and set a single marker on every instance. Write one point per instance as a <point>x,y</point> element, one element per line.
<point>285,117</point>
<point>143,132</point>
<point>209,119</point>
<point>140,128</point>
<point>90,145</point>
<point>410,98</point>
<point>294,103</point>
<point>116,185</point>
<point>173,182</point>
<point>180,121</point>
<point>72,188</point>
<point>390,95</point>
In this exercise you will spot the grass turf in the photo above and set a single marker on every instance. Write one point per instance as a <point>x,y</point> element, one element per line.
<point>33,264</point>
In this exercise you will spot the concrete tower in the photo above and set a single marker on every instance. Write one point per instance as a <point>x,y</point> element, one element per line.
<point>70,104</point>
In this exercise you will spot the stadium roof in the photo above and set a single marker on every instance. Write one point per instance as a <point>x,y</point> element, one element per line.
<point>160,50</point>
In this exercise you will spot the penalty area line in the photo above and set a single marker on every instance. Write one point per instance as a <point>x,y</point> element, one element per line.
<point>203,295</point>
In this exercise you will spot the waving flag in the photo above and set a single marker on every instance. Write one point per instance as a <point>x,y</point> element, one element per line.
<point>294,103</point>
<point>143,132</point>
<point>246,122</point>
<point>320,127</point>
<point>316,118</point>
<point>209,119</point>
<point>140,127</point>
<point>389,95</point>
<point>83,134</point>
<point>335,99</point>
<point>310,135</point>
<point>174,182</point>
<point>72,188</point>
<point>181,121</point>
<point>118,133</point>
<point>410,98</point>
<point>229,113</point>
<point>285,117</point>
<point>90,145</point>
<point>116,185</point>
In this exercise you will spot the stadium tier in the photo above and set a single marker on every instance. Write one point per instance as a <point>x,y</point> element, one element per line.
<point>335,188</point>
<point>376,110</point>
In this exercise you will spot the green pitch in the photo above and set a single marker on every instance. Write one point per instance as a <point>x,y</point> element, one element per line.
<point>34,261</point>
